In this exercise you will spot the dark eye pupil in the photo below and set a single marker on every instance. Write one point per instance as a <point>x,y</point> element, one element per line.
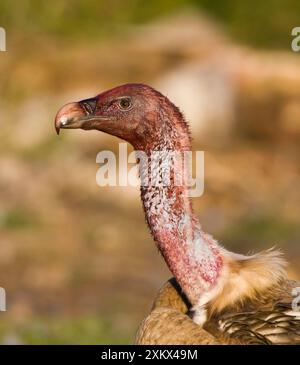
<point>125,103</point>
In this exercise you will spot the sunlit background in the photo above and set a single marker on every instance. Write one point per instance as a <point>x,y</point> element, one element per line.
<point>76,260</point>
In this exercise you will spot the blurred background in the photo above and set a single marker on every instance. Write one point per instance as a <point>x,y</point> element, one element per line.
<point>76,260</point>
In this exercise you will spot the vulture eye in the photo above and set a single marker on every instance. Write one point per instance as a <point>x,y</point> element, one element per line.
<point>125,103</point>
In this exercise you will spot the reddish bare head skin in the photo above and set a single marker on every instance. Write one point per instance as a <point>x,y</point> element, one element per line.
<point>133,112</point>
<point>149,121</point>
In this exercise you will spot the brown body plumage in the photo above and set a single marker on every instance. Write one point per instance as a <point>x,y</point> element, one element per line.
<point>267,322</point>
<point>231,298</point>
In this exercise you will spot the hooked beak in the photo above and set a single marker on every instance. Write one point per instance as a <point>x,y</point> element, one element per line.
<point>69,116</point>
<point>77,115</point>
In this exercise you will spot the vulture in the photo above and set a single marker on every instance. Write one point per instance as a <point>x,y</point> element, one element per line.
<point>216,296</point>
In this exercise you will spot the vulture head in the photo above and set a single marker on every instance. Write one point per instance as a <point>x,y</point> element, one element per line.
<point>134,112</point>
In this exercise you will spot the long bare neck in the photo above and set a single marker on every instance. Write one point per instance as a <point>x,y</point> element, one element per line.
<point>193,257</point>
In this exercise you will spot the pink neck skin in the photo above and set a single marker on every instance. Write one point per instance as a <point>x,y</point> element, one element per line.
<point>193,257</point>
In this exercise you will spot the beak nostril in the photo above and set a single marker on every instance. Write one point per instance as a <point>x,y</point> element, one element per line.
<point>89,105</point>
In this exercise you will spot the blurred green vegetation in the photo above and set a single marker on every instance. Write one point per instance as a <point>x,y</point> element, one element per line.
<point>86,330</point>
<point>260,23</point>
<point>18,219</point>
<point>254,231</point>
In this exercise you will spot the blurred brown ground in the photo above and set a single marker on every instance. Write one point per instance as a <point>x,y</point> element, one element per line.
<point>73,251</point>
